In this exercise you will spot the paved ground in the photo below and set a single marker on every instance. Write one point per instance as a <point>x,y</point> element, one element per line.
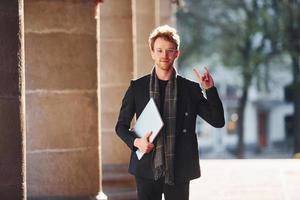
<point>248,179</point>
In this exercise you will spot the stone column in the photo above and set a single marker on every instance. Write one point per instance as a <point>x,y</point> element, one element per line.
<point>61,92</point>
<point>101,195</point>
<point>147,14</point>
<point>116,72</point>
<point>116,65</point>
<point>12,101</point>
<point>165,12</point>
<point>144,21</point>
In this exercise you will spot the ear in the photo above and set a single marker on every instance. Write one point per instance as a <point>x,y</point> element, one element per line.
<point>152,54</point>
<point>177,54</point>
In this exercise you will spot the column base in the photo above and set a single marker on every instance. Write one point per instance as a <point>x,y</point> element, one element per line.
<point>101,196</point>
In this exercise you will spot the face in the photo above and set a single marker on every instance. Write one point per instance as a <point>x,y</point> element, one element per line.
<point>164,54</point>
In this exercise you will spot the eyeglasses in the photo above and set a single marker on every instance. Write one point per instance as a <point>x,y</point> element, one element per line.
<point>167,51</point>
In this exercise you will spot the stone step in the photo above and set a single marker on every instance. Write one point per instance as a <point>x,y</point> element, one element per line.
<point>121,194</point>
<point>117,176</point>
<point>117,183</point>
<point>118,180</point>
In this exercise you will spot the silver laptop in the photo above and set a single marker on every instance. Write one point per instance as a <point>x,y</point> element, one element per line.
<point>149,120</point>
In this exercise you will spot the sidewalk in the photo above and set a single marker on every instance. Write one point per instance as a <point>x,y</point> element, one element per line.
<point>261,179</point>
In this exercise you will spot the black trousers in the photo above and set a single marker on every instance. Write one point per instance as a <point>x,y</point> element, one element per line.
<point>149,189</point>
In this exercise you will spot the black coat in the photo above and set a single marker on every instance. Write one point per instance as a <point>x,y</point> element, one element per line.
<point>190,103</point>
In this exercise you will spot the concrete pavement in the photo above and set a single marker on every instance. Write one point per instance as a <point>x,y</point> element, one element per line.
<point>249,179</point>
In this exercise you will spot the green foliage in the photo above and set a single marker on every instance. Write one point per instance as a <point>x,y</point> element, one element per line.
<point>245,33</point>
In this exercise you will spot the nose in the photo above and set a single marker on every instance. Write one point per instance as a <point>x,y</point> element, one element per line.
<point>165,54</point>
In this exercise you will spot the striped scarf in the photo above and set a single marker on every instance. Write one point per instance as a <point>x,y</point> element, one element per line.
<point>163,157</point>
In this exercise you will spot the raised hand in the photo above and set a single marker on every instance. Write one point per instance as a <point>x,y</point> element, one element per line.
<point>205,80</point>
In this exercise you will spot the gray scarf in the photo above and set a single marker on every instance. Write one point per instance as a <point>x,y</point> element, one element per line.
<point>163,159</point>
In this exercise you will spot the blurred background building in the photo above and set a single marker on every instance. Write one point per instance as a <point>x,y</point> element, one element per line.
<point>267,134</point>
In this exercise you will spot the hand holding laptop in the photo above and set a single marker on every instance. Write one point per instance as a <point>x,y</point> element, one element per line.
<point>147,128</point>
<point>143,144</point>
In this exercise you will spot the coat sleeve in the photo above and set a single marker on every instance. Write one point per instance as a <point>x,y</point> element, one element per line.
<point>210,109</point>
<point>126,114</point>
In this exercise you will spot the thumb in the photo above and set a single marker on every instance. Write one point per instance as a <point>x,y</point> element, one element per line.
<point>147,136</point>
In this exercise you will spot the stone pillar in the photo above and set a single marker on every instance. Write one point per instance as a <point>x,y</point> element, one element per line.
<point>165,12</point>
<point>12,101</point>
<point>61,91</point>
<point>116,64</point>
<point>147,14</point>
<point>101,195</point>
<point>144,21</point>
<point>116,72</point>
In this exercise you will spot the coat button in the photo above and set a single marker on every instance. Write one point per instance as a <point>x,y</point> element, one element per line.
<point>184,130</point>
<point>186,113</point>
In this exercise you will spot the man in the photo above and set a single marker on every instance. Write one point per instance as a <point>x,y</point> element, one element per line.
<point>172,160</point>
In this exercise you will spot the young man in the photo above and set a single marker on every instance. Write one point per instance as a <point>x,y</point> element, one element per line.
<point>172,160</point>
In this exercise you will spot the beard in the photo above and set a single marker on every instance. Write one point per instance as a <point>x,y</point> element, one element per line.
<point>165,65</point>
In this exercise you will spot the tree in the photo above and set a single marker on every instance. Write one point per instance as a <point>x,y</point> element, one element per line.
<point>244,33</point>
<point>290,23</point>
